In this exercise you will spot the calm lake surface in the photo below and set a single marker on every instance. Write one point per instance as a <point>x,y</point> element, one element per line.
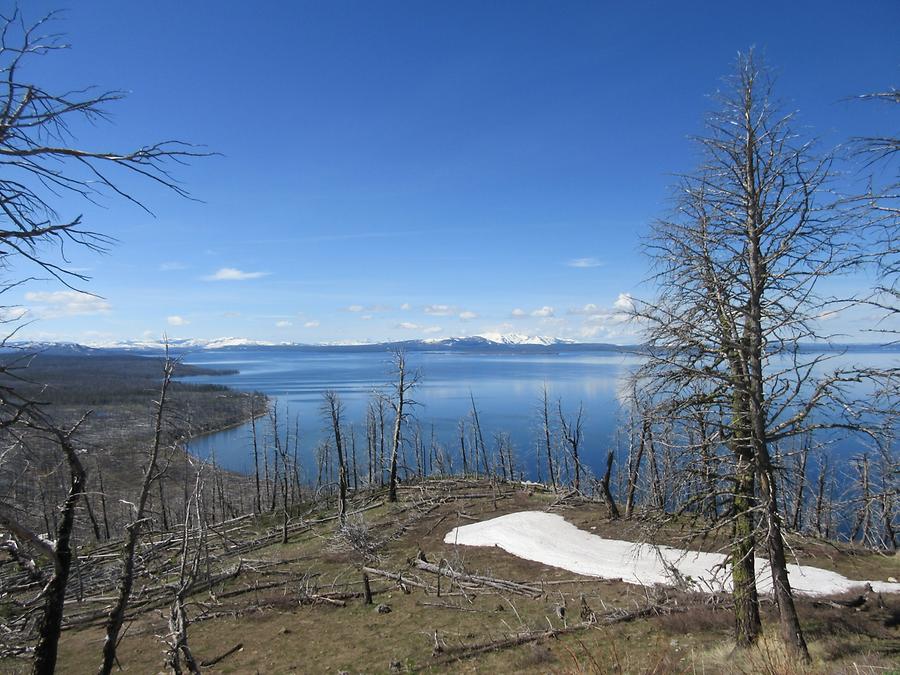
<point>507,389</point>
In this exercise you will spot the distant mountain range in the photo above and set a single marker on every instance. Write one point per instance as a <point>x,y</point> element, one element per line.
<point>491,342</point>
<point>487,343</point>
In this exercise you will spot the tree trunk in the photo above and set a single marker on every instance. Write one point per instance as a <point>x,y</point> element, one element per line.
<point>49,624</point>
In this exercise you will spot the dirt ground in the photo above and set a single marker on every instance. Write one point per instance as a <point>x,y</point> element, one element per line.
<point>298,607</point>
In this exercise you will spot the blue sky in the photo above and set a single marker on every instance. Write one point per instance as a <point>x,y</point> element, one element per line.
<point>403,170</point>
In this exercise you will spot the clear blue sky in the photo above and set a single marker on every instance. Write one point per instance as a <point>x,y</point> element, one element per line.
<point>402,170</point>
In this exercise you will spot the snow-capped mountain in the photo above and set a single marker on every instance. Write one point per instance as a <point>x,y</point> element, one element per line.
<point>184,343</point>
<point>520,339</point>
<point>490,342</point>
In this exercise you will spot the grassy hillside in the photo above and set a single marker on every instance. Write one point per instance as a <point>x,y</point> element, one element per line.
<point>300,606</point>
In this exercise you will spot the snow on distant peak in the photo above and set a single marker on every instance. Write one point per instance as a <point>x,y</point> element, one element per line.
<point>520,339</point>
<point>222,343</point>
<point>182,343</point>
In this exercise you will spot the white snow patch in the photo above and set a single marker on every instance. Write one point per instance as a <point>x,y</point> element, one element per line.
<point>549,539</point>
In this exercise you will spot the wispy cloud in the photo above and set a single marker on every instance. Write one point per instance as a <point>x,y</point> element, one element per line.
<point>55,304</point>
<point>438,310</point>
<point>450,310</point>
<point>176,320</point>
<point>518,313</point>
<point>311,324</point>
<point>233,274</point>
<point>283,324</point>
<point>409,325</point>
<point>367,308</point>
<point>9,314</point>
<point>405,306</point>
<point>543,312</point>
<point>584,262</point>
<point>172,266</point>
<point>587,310</point>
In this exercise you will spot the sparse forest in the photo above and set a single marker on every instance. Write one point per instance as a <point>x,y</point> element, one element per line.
<point>119,550</point>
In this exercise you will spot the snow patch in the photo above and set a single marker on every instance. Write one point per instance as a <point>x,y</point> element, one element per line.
<point>549,539</point>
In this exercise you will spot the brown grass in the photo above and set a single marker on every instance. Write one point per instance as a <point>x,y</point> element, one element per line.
<point>281,636</point>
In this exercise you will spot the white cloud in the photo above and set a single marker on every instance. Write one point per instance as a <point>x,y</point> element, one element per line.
<point>172,266</point>
<point>467,315</point>
<point>584,262</point>
<point>405,306</point>
<point>588,309</point>
<point>9,314</point>
<point>624,302</point>
<point>438,310</point>
<point>176,320</point>
<point>367,308</point>
<point>543,312</point>
<point>54,304</point>
<point>311,324</point>
<point>283,324</point>
<point>518,313</point>
<point>409,325</point>
<point>233,274</point>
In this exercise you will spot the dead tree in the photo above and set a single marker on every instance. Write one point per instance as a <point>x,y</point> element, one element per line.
<point>572,433</point>
<point>116,617</point>
<point>404,383</point>
<point>334,410</point>
<point>59,552</point>
<point>605,491</point>
<point>478,436</point>
<point>548,446</point>
<point>255,457</point>
<point>461,431</point>
<point>738,267</point>
<point>187,574</point>
<point>43,164</point>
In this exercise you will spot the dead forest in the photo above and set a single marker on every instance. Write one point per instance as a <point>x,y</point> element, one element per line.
<point>118,550</point>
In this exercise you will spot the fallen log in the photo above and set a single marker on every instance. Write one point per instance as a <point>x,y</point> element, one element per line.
<point>211,662</point>
<point>499,584</point>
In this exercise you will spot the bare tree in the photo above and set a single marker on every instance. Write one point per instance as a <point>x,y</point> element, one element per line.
<point>40,161</point>
<point>42,165</point>
<point>879,207</point>
<point>334,410</point>
<point>738,268</point>
<point>545,424</point>
<point>404,382</point>
<point>572,433</point>
<point>60,551</point>
<point>151,475</point>
<point>187,573</point>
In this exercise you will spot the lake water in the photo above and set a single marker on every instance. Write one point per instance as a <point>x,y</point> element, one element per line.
<point>507,388</point>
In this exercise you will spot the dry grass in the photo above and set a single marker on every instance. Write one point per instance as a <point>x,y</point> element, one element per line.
<point>281,636</point>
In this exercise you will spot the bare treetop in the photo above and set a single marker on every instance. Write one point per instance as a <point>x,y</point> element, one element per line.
<point>42,163</point>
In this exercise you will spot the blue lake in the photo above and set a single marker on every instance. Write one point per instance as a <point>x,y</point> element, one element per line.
<point>507,388</point>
